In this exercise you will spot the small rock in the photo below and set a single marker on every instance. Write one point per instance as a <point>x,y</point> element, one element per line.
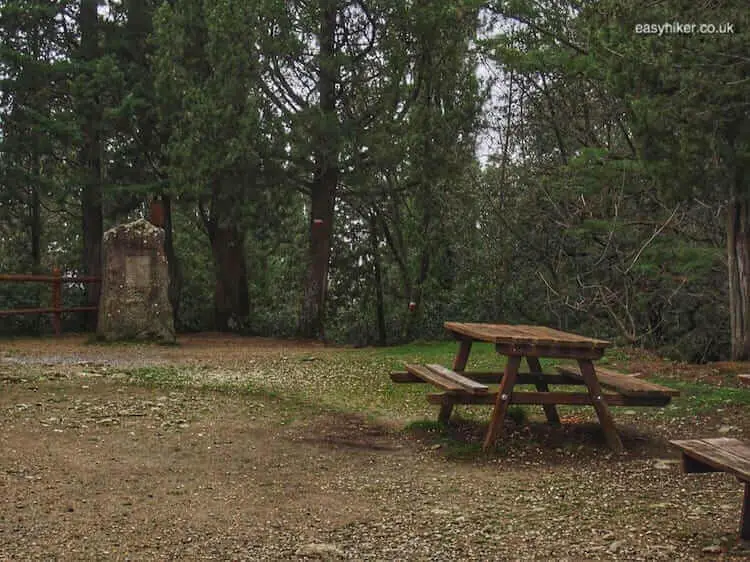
<point>665,464</point>
<point>615,546</point>
<point>712,549</point>
<point>436,446</point>
<point>320,550</point>
<point>630,412</point>
<point>726,428</point>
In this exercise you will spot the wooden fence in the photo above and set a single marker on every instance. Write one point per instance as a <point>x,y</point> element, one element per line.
<point>56,308</point>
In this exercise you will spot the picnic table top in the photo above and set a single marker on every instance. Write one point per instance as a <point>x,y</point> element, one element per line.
<point>524,335</point>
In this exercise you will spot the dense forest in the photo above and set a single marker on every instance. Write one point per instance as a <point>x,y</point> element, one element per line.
<point>362,170</point>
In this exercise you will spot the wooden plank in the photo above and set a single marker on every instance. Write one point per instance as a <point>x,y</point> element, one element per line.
<point>550,411</point>
<point>745,517</point>
<point>523,335</point>
<point>731,445</point>
<point>502,402</point>
<point>692,465</point>
<point>724,454</point>
<point>551,351</point>
<point>624,384</point>
<point>462,355</point>
<point>494,377</point>
<point>605,418</point>
<point>540,398</point>
<point>464,382</point>
<point>432,377</point>
<point>459,363</point>
<point>606,371</point>
<point>47,310</point>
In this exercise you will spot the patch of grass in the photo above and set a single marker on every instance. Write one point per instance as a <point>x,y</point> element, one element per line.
<point>482,355</point>
<point>159,376</point>
<point>462,450</point>
<point>447,438</point>
<point>518,414</point>
<point>700,398</point>
<point>615,354</point>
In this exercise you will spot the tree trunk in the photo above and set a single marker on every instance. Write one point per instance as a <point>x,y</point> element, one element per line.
<point>231,301</point>
<point>738,253</point>
<point>175,274</point>
<point>378,280</point>
<point>91,165</point>
<point>416,304</point>
<point>35,228</point>
<point>325,180</point>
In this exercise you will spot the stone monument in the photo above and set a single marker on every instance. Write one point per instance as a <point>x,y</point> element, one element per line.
<point>134,302</point>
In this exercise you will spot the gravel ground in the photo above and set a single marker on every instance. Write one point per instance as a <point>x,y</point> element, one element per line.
<point>97,468</point>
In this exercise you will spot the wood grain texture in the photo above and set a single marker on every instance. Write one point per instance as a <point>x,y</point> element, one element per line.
<point>494,377</point>
<point>624,384</point>
<point>502,402</point>
<point>602,411</point>
<point>722,453</point>
<point>523,334</point>
<point>541,398</point>
<point>432,377</point>
<point>550,411</point>
<point>470,386</point>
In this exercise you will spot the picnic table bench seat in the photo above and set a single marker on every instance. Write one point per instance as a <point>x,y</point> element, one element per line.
<point>720,454</point>
<point>445,378</point>
<point>626,384</point>
<point>463,387</point>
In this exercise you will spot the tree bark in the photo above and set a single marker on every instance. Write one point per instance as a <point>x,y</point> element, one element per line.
<point>325,181</point>
<point>91,164</point>
<point>378,280</point>
<point>35,228</point>
<point>738,253</point>
<point>175,273</point>
<point>231,301</point>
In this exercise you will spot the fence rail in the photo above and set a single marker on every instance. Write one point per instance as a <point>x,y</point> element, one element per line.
<point>56,309</point>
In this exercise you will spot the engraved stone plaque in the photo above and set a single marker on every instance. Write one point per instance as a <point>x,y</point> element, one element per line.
<point>138,271</point>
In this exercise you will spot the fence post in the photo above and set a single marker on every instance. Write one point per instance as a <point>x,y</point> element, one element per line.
<point>57,300</point>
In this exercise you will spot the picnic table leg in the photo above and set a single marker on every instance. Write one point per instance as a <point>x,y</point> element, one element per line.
<point>503,401</point>
<point>745,520</point>
<point>605,418</point>
<point>459,364</point>
<point>550,410</point>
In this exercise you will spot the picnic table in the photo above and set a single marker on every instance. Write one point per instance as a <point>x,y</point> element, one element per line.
<point>532,343</point>
<point>720,454</point>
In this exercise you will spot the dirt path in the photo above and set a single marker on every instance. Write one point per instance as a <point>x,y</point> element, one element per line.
<point>94,468</point>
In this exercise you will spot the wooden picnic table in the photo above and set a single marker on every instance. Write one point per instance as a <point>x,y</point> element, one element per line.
<point>532,343</point>
<point>720,454</point>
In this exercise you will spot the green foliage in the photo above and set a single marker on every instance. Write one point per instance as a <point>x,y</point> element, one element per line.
<point>601,210</point>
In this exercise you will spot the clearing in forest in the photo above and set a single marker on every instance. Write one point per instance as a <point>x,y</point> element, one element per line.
<point>256,449</point>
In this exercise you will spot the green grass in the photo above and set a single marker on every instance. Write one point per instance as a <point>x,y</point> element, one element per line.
<point>356,381</point>
<point>160,376</point>
<point>442,436</point>
<point>482,357</point>
<point>702,398</point>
